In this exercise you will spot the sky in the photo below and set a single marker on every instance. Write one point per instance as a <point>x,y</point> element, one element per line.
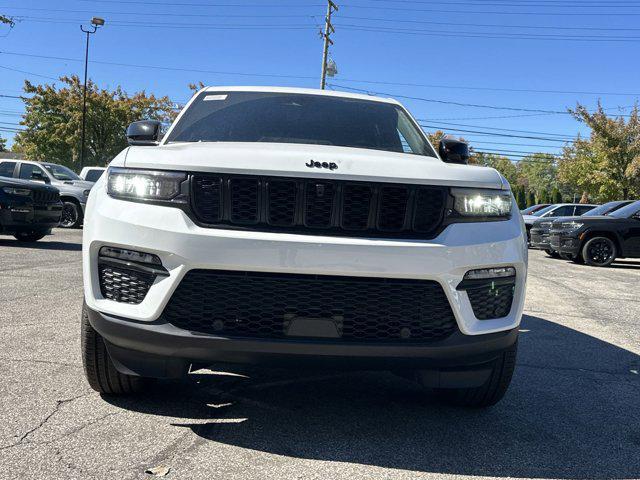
<point>492,71</point>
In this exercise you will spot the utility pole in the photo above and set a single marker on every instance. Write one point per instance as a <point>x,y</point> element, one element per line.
<point>95,23</point>
<point>328,30</point>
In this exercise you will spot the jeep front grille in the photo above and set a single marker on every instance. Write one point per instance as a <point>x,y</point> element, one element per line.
<point>318,206</point>
<point>264,305</point>
<point>45,196</point>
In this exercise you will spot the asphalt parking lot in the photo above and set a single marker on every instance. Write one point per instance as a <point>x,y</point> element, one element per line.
<point>573,410</point>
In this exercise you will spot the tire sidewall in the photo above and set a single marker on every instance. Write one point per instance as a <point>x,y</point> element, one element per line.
<point>70,204</point>
<point>587,257</point>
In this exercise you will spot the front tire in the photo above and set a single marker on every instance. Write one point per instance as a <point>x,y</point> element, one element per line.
<point>552,253</point>
<point>100,371</point>
<point>493,389</point>
<point>599,252</point>
<point>29,236</point>
<point>71,215</point>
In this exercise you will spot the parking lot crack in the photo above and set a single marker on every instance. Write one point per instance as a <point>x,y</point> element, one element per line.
<point>43,422</point>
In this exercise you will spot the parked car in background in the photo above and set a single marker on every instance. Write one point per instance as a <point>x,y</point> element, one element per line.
<point>92,174</point>
<point>554,211</point>
<point>540,229</point>
<point>28,210</point>
<point>73,190</point>
<point>534,208</point>
<point>599,240</point>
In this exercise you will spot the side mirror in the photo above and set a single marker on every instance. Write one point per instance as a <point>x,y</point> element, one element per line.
<point>39,177</point>
<point>144,132</point>
<point>453,151</point>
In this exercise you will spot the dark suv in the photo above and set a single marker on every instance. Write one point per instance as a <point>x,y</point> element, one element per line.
<point>600,240</point>
<point>28,210</point>
<point>541,228</point>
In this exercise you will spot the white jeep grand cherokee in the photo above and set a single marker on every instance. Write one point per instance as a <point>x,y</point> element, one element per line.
<point>291,227</point>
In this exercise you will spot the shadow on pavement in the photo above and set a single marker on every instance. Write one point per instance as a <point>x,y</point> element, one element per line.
<point>572,412</point>
<point>42,245</point>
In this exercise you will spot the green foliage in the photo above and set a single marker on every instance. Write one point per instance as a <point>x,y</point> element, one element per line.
<point>53,121</point>
<point>543,196</point>
<point>3,144</point>
<point>521,197</point>
<point>556,196</point>
<point>607,165</point>
<point>531,199</point>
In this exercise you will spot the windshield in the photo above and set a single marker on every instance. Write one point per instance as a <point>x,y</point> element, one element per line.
<point>543,211</point>
<point>628,211</point>
<point>60,173</point>
<point>604,209</point>
<point>299,118</point>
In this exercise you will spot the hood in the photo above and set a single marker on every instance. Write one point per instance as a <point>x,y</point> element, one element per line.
<point>292,160</point>
<point>16,182</point>
<point>530,219</point>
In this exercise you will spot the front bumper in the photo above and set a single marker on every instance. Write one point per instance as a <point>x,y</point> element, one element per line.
<point>183,246</point>
<point>539,239</point>
<point>565,242</point>
<point>160,350</point>
<point>25,216</point>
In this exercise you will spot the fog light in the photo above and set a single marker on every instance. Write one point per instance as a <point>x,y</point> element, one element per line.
<point>129,255</point>
<point>490,273</point>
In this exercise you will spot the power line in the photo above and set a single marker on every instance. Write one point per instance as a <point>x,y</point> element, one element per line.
<point>496,128</point>
<point>27,73</point>
<point>519,36</point>
<point>448,102</point>
<point>496,134</point>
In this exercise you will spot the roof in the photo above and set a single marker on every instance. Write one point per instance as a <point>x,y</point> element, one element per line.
<point>303,91</point>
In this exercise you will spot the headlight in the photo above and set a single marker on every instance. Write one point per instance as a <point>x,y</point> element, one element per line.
<point>144,184</point>
<point>471,202</point>
<point>23,192</point>
<point>571,225</point>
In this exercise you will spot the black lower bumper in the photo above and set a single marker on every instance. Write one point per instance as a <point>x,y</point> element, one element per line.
<point>17,217</point>
<point>539,240</point>
<point>567,244</point>
<point>161,350</point>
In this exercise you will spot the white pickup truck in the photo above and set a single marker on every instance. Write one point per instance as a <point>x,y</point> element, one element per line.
<point>294,227</point>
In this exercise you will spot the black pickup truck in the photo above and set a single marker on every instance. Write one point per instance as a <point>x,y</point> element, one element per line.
<point>600,240</point>
<point>28,210</point>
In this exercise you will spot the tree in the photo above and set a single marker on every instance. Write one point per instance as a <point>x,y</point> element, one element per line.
<point>543,196</point>
<point>556,196</point>
<point>521,197</point>
<point>531,199</point>
<point>607,165</point>
<point>538,172</point>
<point>53,120</point>
<point>3,144</point>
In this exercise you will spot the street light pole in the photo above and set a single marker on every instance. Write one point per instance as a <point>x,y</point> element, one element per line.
<point>95,23</point>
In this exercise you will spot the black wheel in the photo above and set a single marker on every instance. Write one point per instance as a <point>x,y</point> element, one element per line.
<point>599,252</point>
<point>552,253</point>
<point>29,236</point>
<point>71,215</point>
<point>491,392</point>
<point>98,367</point>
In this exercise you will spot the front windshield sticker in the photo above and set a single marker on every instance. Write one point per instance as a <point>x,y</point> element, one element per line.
<point>214,97</point>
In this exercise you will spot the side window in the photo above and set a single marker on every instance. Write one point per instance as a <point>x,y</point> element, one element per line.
<point>582,210</point>
<point>561,212</point>
<point>93,175</point>
<point>32,172</point>
<point>7,168</point>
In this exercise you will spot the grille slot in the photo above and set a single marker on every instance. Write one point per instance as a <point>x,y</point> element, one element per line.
<point>330,207</point>
<point>262,305</point>
<point>42,196</point>
<point>489,303</point>
<point>244,194</point>
<point>123,284</point>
